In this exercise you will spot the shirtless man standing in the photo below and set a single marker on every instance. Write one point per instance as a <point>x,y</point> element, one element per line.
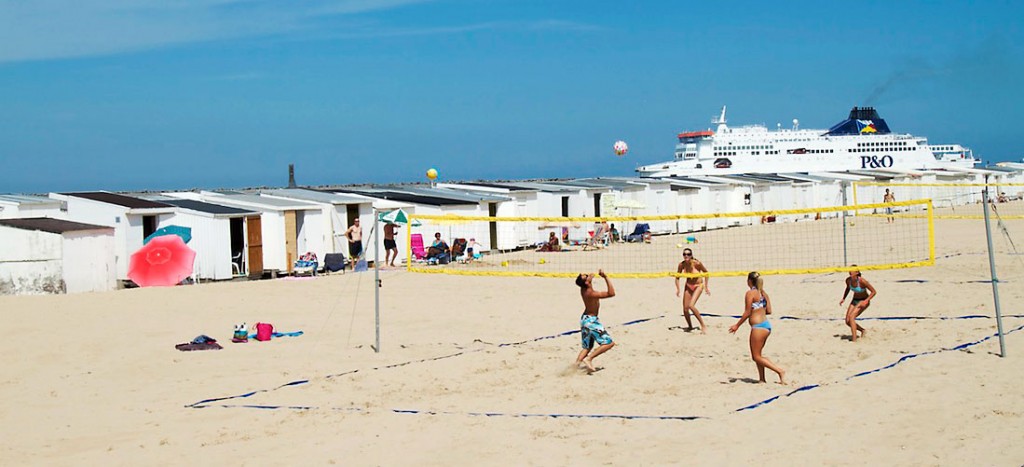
<point>889,198</point>
<point>354,234</point>
<point>390,247</point>
<point>591,330</point>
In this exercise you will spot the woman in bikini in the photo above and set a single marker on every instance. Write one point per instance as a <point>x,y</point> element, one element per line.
<point>863,292</point>
<point>693,288</point>
<point>756,308</point>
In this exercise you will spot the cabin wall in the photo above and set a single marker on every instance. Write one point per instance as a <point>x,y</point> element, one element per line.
<point>274,254</point>
<point>211,240</point>
<point>30,262</point>
<point>15,210</point>
<point>88,263</point>
<point>127,231</point>
<point>312,235</point>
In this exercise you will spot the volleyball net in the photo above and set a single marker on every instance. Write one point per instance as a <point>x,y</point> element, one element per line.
<point>951,200</point>
<point>798,241</point>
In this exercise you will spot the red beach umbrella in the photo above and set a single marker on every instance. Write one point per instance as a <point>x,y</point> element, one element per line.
<point>164,261</point>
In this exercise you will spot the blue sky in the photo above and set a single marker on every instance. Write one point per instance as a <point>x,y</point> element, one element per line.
<point>177,94</point>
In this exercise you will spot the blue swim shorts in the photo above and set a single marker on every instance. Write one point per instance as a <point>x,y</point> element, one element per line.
<point>592,331</point>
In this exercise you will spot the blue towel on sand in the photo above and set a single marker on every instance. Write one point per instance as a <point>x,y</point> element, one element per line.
<point>279,334</point>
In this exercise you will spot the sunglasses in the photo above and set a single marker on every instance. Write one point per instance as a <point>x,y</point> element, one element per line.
<point>687,254</point>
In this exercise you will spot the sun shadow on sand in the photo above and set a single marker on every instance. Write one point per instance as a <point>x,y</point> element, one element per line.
<point>741,380</point>
<point>680,328</point>
<point>843,337</point>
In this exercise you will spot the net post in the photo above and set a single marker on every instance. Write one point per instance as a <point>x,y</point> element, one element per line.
<point>931,233</point>
<point>845,261</point>
<point>408,244</point>
<point>376,281</point>
<point>992,270</point>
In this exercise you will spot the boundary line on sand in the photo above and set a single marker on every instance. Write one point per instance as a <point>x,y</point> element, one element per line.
<point>876,370</point>
<point>207,403</point>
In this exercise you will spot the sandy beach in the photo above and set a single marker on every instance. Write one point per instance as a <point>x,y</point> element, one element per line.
<point>473,369</point>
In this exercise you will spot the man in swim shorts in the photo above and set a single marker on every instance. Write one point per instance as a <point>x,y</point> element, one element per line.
<point>354,234</point>
<point>889,198</point>
<point>591,330</point>
<point>390,247</point>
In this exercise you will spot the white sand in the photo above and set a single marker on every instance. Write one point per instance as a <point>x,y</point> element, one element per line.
<point>95,378</point>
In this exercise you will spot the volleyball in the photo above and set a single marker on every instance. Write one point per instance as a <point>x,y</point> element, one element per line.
<point>620,148</point>
<point>432,174</point>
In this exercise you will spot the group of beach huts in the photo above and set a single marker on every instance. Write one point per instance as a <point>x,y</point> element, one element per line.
<point>82,241</point>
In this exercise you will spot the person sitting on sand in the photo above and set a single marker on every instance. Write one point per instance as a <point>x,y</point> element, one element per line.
<point>474,250</point>
<point>863,292</point>
<point>591,330</point>
<point>551,245</point>
<point>694,287</point>
<point>438,248</point>
<point>614,234</point>
<point>756,308</point>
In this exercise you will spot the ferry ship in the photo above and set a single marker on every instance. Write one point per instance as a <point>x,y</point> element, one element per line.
<point>861,142</point>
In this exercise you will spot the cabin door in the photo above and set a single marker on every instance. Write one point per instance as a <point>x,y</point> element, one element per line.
<point>237,234</point>
<point>254,227</point>
<point>492,211</point>
<point>148,226</point>
<point>291,236</point>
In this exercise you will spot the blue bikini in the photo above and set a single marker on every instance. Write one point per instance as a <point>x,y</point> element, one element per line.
<point>856,290</point>
<point>757,306</point>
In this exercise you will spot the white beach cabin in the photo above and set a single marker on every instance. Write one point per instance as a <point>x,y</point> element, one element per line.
<point>50,256</point>
<point>23,206</point>
<point>133,219</point>
<point>286,228</point>
<point>338,211</point>
<point>218,236</point>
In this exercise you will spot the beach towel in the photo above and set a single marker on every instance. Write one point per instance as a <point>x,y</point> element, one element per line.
<point>201,342</point>
<point>281,334</point>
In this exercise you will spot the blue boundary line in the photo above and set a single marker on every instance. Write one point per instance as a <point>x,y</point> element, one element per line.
<point>876,370</point>
<point>552,415</point>
<point>206,402</point>
<point>872,318</point>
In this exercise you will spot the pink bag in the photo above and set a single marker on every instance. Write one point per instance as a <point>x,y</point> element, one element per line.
<point>264,331</point>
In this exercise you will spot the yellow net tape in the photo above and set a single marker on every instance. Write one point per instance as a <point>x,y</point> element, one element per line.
<point>957,201</point>
<point>795,241</point>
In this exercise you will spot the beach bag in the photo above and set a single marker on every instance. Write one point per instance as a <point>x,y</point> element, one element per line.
<point>241,333</point>
<point>264,331</point>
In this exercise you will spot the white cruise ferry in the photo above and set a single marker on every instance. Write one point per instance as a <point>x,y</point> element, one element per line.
<point>861,142</point>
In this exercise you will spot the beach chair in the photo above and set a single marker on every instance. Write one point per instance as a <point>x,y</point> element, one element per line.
<point>334,262</point>
<point>598,239</point>
<point>639,233</point>
<point>458,252</point>
<point>307,264</point>
<point>418,252</point>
